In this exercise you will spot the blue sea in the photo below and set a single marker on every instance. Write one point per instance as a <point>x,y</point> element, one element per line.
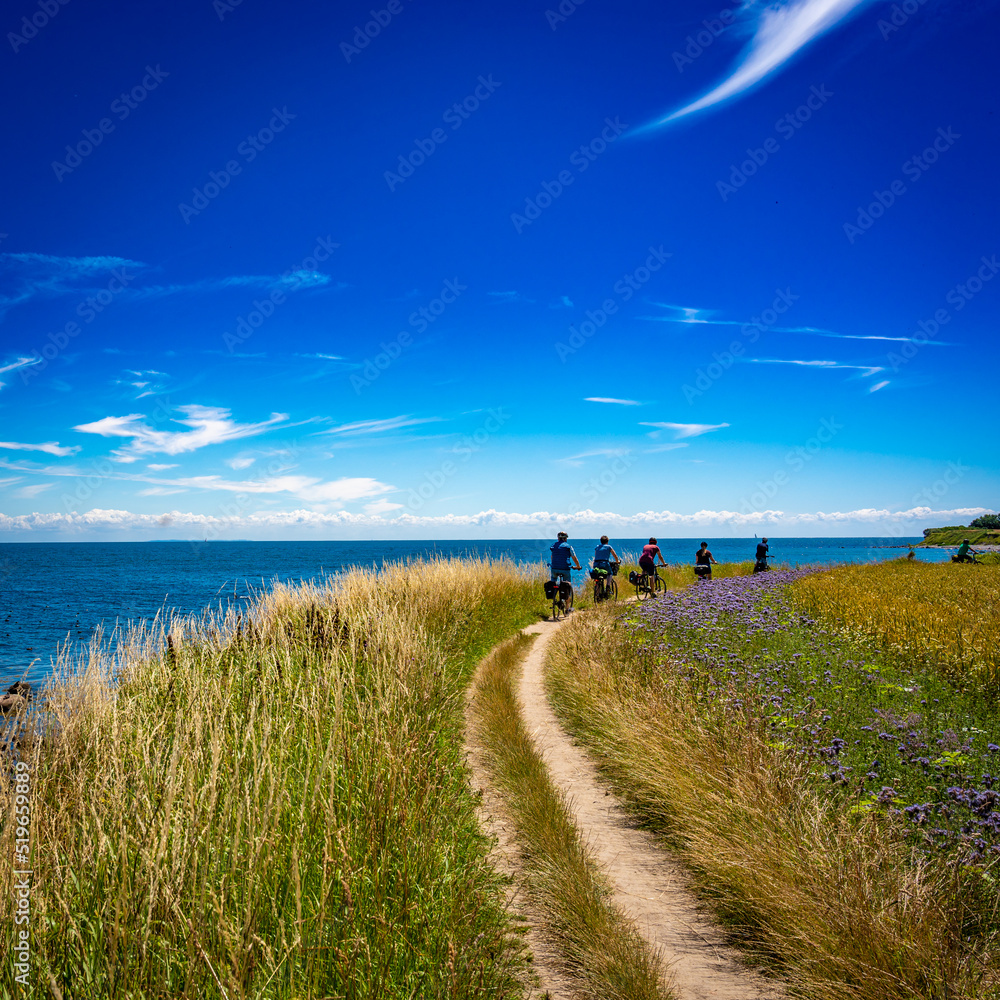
<point>57,593</point>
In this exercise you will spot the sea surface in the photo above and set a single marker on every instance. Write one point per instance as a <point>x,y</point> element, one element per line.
<point>56,595</point>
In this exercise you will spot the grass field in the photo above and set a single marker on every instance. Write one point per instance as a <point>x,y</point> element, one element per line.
<point>833,795</point>
<point>275,806</point>
<point>955,534</point>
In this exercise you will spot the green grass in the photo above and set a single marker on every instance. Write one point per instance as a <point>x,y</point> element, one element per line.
<point>598,947</point>
<point>275,806</point>
<point>955,534</point>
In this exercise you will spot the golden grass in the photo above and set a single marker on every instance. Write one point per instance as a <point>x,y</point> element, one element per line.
<point>598,947</point>
<point>274,806</point>
<point>940,615</point>
<point>835,901</point>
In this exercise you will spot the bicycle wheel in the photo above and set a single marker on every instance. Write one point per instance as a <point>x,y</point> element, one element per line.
<point>556,610</point>
<point>660,588</point>
<point>642,590</point>
<point>611,590</point>
<point>598,592</point>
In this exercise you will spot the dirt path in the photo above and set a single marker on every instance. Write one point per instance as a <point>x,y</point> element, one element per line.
<point>649,885</point>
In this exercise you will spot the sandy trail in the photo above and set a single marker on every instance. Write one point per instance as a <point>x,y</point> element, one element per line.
<point>649,885</point>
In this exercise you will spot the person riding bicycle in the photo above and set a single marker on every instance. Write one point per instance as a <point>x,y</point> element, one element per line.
<point>703,560</point>
<point>966,553</point>
<point>562,554</point>
<point>605,555</point>
<point>647,561</point>
<point>761,559</point>
<point>605,560</point>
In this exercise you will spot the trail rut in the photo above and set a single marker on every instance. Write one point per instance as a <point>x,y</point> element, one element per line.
<point>649,885</point>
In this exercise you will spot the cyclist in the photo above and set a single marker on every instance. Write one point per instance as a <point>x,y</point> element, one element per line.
<point>965,552</point>
<point>562,554</point>
<point>762,549</point>
<point>604,556</point>
<point>703,560</point>
<point>647,561</point>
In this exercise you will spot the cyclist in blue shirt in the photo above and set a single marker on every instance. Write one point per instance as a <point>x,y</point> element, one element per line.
<point>605,555</point>
<point>562,554</point>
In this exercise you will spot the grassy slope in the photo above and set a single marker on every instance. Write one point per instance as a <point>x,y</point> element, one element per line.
<point>276,811</point>
<point>954,535</point>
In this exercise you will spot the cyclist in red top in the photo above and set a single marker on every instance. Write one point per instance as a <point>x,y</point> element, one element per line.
<point>647,561</point>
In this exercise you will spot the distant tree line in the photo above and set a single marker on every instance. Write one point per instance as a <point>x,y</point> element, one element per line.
<point>986,521</point>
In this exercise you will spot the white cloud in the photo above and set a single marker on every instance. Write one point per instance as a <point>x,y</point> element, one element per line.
<point>210,425</point>
<point>161,466</point>
<point>781,30</point>
<point>49,447</point>
<point>487,523</point>
<point>831,365</point>
<point>241,462</point>
<point>20,363</point>
<point>381,507</point>
<point>879,385</point>
<point>610,399</point>
<point>27,492</point>
<point>575,461</point>
<point>683,430</point>
<point>667,447</point>
<point>381,426</point>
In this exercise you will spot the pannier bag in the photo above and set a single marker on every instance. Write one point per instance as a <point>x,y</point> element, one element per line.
<point>550,589</point>
<point>633,577</point>
<point>564,589</point>
<point>702,570</point>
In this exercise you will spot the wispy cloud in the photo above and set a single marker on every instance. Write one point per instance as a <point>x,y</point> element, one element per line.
<point>49,447</point>
<point>209,425</point>
<point>29,492</point>
<point>682,430</point>
<point>688,316</point>
<point>673,446</point>
<point>611,399</point>
<point>19,363</point>
<point>831,365</point>
<point>879,385</point>
<point>24,276</point>
<point>285,282</point>
<point>781,29</point>
<point>380,426</point>
<point>575,461</point>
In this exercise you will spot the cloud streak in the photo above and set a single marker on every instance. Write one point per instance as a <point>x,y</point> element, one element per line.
<point>49,447</point>
<point>781,30</point>
<point>682,430</point>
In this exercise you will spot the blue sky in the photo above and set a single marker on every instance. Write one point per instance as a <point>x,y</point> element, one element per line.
<point>452,270</point>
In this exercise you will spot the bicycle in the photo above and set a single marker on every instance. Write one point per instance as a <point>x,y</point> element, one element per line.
<point>605,585</point>
<point>646,586</point>
<point>560,593</point>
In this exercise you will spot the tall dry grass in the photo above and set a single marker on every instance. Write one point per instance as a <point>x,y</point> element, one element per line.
<point>275,805</point>
<point>836,901</point>
<point>940,615</point>
<point>597,947</point>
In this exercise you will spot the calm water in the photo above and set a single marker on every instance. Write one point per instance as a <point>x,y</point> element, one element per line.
<point>51,593</point>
